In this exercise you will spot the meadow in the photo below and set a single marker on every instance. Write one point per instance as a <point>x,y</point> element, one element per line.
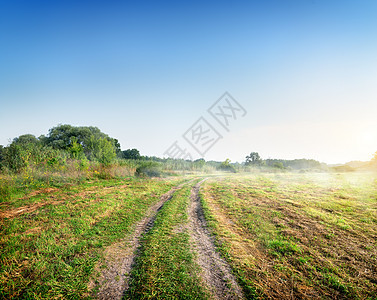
<point>52,238</point>
<point>305,236</point>
<point>281,235</point>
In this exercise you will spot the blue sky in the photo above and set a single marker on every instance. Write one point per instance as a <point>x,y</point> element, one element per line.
<point>145,71</point>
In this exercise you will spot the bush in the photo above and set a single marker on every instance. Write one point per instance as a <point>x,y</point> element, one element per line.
<point>342,168</point>
<point>278,165</point>
<point>15,158</point>
<point>102,150</point>
<point>226,166</point>
<point>148,169</point>
<point>6,188</point>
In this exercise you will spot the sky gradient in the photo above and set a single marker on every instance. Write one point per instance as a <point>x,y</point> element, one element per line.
<point>145,71</point>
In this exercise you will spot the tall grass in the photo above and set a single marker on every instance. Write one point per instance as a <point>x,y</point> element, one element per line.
<point>39,176</point>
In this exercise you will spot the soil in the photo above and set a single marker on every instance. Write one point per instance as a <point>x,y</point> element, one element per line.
<point>25,209</point>
<point>215,272</point>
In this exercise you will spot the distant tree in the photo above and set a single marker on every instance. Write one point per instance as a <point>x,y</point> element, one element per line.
<point>253,159</point>
<point>226,166</point>
<point>131,154</point>
<point>278,165</point>
<point>154,158</point>
<point>199,163</point>
<point>296,164</point>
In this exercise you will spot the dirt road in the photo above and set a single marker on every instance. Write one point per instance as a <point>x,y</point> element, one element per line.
<point>216,274</point>
<point>119,258</point>
<point>215,271</point>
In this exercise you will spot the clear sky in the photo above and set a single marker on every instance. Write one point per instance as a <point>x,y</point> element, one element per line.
<point>145,71</point>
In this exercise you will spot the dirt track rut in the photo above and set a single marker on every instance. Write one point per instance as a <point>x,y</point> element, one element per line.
<point>120,257</point>
<point>215,271</point>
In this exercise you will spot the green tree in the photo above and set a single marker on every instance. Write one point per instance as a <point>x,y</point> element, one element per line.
<point>131,154</point>
<point>26,139</point>
<point>15,157</point>
<point>65,136</point>
<point>75,149</point>
<point>278,165</point>
<point>2,154</point>
<point>199,163</point>
<point>253,159</point>
<point>101,150</point>
<point>226,166</point>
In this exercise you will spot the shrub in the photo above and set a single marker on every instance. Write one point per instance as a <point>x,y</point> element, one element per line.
<point>101,150</point>
<point>6,188</point>
<point>342,168</point>
<point>148,169</point>
<point>226,166</point>
<point>278,165</point>
<point>15,158</point>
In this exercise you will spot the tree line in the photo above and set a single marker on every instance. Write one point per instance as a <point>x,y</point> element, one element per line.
<point>62,142</point>
<point>89,144</point>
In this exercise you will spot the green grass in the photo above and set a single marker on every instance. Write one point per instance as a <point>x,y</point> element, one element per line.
<point>250,290</point>
<point>165,268</point>
<point>51,252</point>
<point>306,234</point>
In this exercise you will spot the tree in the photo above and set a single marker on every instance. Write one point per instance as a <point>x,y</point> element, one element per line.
<point>117,146</point>
<point>253,159</point>
<point>15,157</point>
<point>226,166</point>
<point>278,165</point>
<point>76,150</point>
<point>89,138</point>
<point>26,139</point>
<point>131,154</point>
<point>101,150</point>
<point>2,156</point>
<point>199,163</point>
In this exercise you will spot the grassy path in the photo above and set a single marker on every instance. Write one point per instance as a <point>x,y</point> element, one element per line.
<point>113,279</point>
<point>178,259</point>
<point>165,267</point>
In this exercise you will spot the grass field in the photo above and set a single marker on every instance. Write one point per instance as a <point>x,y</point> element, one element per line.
<point>302,236</point>
<point>51,239</point>
<point>284,236</point>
